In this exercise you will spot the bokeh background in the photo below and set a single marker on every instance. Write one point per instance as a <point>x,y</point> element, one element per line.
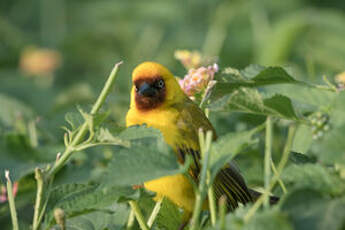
<point>56,54</point>
<point>85,38</point>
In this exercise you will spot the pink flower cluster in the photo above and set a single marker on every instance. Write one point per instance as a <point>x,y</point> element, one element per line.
<point>198,79</point>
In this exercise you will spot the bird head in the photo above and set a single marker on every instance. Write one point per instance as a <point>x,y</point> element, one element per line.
<point>153,86</point>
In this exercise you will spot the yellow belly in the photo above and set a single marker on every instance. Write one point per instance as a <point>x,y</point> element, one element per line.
<point>177,188</point>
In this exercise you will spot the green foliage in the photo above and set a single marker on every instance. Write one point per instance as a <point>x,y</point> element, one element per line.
<point>126,168</point>
<point>298,47</point>
<point>309,209</point>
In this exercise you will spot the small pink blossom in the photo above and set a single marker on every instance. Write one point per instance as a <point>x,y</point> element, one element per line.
<point>198,79</point>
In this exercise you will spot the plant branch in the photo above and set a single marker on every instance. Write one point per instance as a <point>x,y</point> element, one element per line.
<point>274,180</point>
<point>72,146</point>
<point>139,216</point>
<point>11,202</point>
<point>280,181</point>
<point>202,190</point>
<point>212,203</point>
<point>155,212</point>
<point>39,196</point>
<point>84,128</point>
<point>268,156</point>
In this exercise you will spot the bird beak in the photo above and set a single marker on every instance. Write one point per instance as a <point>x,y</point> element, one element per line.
<point>147,90</point>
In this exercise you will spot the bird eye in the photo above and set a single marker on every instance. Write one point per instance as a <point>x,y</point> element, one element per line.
<point>160,84</point>
<point>136,88</point>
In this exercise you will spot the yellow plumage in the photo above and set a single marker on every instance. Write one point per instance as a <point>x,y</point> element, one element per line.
<point>179,119</point>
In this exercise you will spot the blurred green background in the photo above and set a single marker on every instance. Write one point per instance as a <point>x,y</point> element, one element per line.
<point>88,37</point>
<point>56,54</point>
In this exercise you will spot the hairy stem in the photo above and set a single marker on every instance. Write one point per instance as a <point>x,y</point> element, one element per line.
<point>280,181</point>
<point>202,190</point>
<point>84,128</point>
<point>139,216</point>
<point>131,219</point>
<point>211,201</point>
<point>39,196</point>
<point>11,202</point>
<point>268,156</point>
<point>48,177</point>
<point>155,212</point>
<point>274,180</point>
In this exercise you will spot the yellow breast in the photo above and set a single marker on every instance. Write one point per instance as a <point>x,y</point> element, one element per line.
<point>177,187</point>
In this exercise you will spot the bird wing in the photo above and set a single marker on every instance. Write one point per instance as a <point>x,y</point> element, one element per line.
<point>228,181</point>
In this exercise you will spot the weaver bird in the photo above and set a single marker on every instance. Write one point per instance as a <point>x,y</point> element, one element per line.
<point>158,101</point>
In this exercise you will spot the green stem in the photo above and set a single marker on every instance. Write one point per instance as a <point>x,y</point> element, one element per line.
<point>39,195</point>
<point>212,204</point>
<point>84,128</point>
<point>138,215</point>
<point>131,219</point>
<point>280,181</point>
<point>202,190</point>
<point>222,212</point>
<point>48,177</point>
<point>274,180</point>
<point>268,156</point>
<point>11,202</point>
<point>155,212</point>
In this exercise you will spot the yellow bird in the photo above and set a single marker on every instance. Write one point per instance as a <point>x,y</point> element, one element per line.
<point>158,101</point>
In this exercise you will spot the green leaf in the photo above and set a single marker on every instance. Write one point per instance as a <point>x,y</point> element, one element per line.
<point>77,199</point>
<point>303,139</point>
<point>169,217</point>
<point>105,136</point>
<point>305,95</point>
<point>315,177</point>
<point>227,147</point>
<point>114,218</point>
<point>252,76</point>
<point>331,148</point>
<point>146,159</point>
<point>308,209</point>
<point>271,219</point>
<point>138,132</point>
<point>251,101</point>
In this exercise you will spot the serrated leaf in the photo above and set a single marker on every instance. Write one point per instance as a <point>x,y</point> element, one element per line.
<point>77,199</point>
<point>252,76</point>
<point>308,209</point>
<point>331,148</point>
<point>227,147</point>
<point>138,132</point>
<point>248,100</point>
<point>146,159</point>
<point>74,119</point>
<point>270,219</point>
<point>304,94</point>
<point>169,217</point>
<point>313,176</point>
<point>115,218</point>
<point>103,135</point>
<point>303,139</point>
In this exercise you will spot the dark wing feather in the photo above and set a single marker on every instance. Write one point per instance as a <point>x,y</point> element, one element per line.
<point>228,181</point>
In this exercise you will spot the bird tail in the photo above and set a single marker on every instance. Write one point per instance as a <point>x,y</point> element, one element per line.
<point>255,195</point>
